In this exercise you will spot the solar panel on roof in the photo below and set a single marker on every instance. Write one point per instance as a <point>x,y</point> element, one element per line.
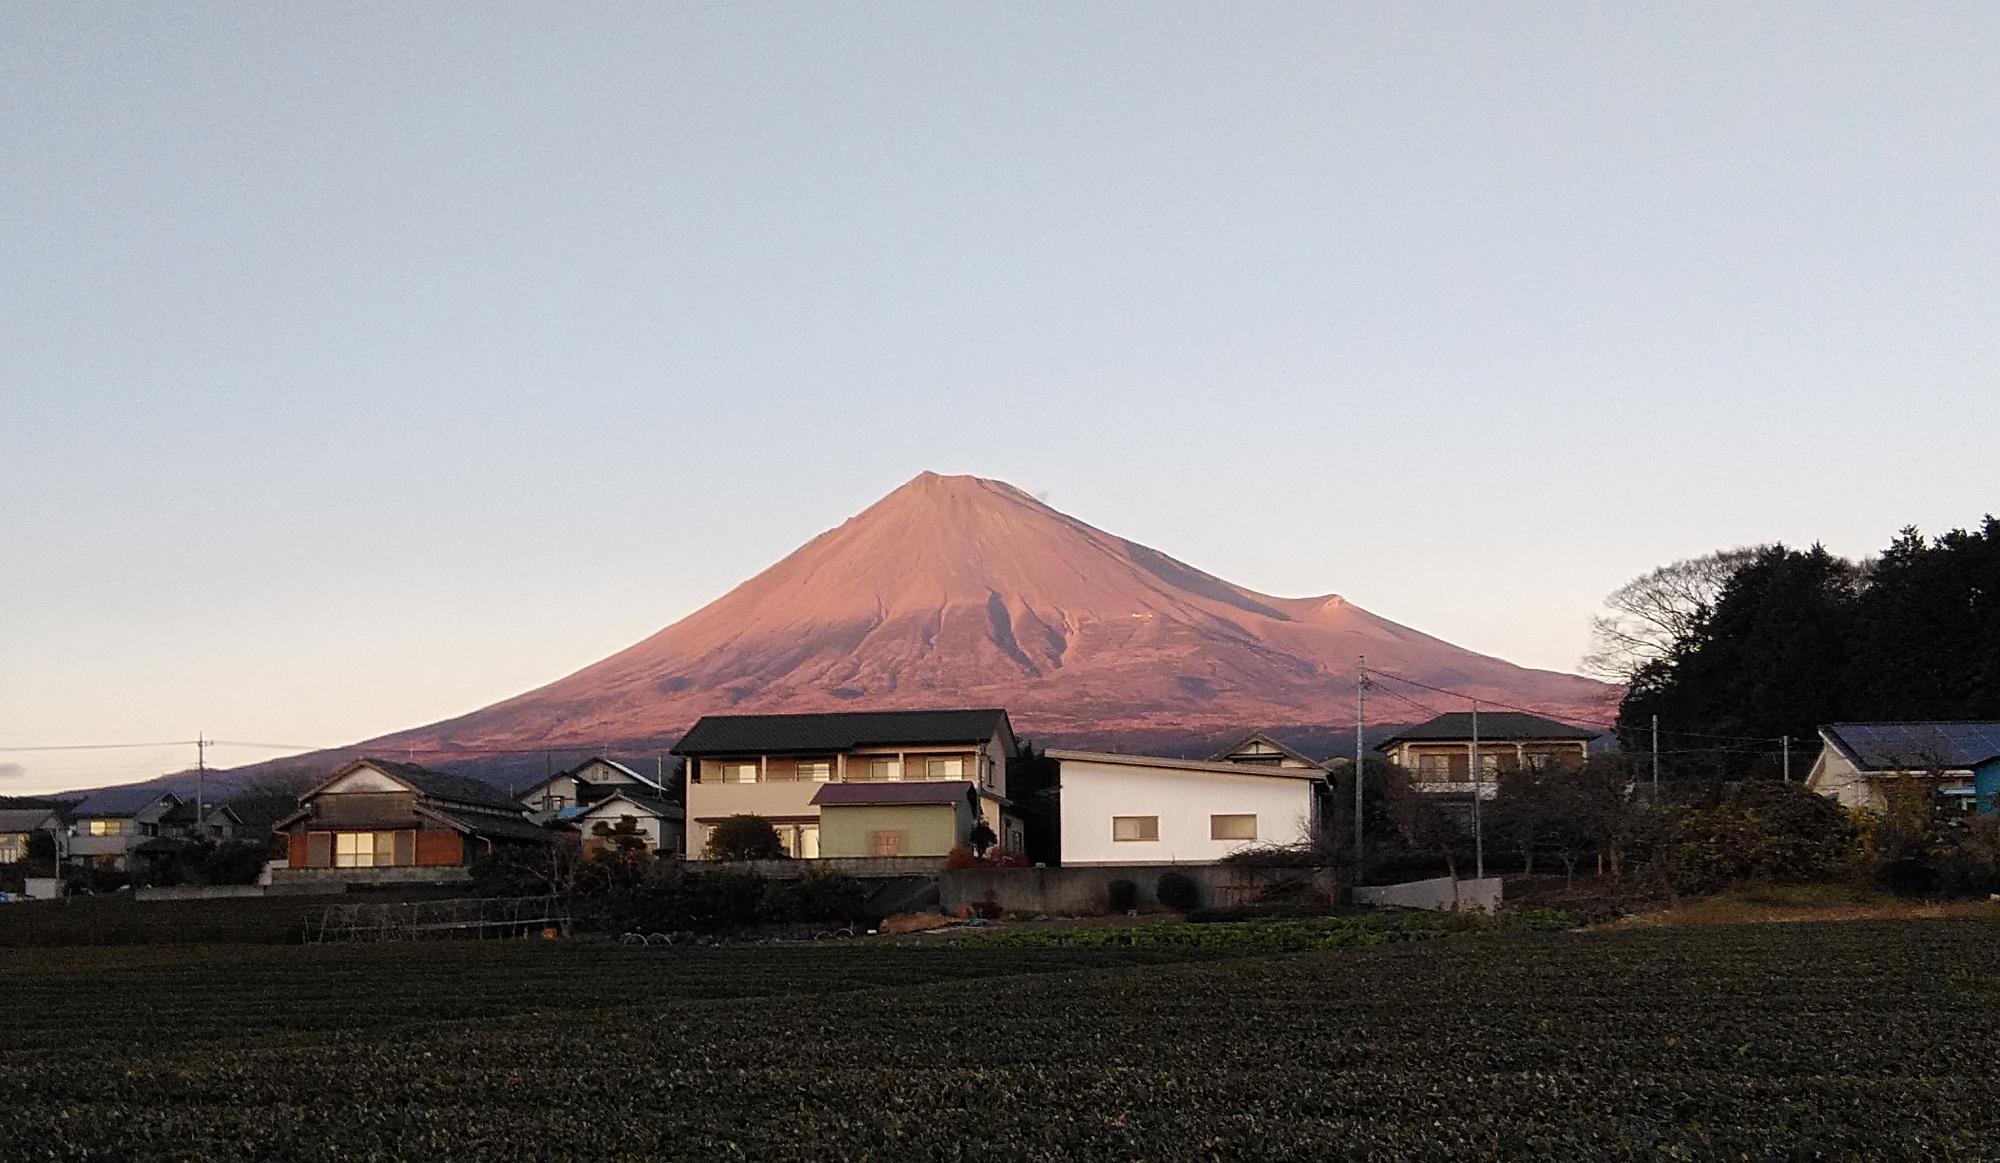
<point>1918,745</point>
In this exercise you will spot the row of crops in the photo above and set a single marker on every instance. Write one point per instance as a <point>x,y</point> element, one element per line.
<point>1864,1040</point>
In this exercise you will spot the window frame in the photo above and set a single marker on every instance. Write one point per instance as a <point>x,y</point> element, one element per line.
<point>1215,824</point>
<point>1146,824</point>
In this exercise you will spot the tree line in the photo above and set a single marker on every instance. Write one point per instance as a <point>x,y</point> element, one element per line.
<point>1754,644</point>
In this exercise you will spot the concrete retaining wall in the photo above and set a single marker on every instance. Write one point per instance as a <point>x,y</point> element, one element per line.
<point>197,892</point>
<point>1085,890</point>
<point>330,880</point>
<point>1441,894</point>
<point>860,867</point>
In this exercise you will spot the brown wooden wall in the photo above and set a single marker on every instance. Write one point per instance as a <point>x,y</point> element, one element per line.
<point>362,807</point>
<point>439,849</point>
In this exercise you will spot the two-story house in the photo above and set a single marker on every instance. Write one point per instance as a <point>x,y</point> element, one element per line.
<point>1438,753</point>
<point>909,783</point>
<point>109,826</point>
<point>375,815</point>
<point>588,782</point>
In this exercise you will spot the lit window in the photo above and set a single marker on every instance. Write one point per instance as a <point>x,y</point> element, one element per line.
<point>107,827</point>
<point>364,849</point>
<point>739,773</point>
<point>944,767</point>
<point>13,848</point>
<point>1232,827</point>
<point>885,843</point>
<point>815,770</point>
<point>1135,827</point>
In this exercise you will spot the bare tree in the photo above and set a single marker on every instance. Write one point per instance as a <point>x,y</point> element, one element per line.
<point>1648,615</point>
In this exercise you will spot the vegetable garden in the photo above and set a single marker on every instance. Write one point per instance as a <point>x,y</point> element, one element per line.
<point>1859,1040</point>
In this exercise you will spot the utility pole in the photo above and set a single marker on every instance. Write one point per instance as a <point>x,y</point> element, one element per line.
<point>1360,717</point>
<point>1787,742</point>
<point>1478,784</point>
<point>1656,760</point>
<point>200,779</point>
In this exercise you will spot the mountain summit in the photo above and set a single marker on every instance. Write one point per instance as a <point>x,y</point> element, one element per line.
<point>960,591</point>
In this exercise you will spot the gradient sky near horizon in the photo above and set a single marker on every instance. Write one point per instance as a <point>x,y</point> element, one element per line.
<point>361,365</point>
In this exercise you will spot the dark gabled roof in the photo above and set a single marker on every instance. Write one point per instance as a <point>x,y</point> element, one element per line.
<point>945,791</point>
<point>116,802</point>
<point>1915,746</point>
<point>436,785</point>
<point>1511,726</point>
<point>489,827</point>
<point>838,731</point>
<point>28,819</point>
<point>180,813</point>
<point>252,809</point>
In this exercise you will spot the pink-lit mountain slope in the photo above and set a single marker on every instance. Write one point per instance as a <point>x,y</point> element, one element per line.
<point>959,591</point>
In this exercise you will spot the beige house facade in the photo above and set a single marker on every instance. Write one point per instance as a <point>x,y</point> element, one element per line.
<point>776,766</point>
<point>1439,754</point>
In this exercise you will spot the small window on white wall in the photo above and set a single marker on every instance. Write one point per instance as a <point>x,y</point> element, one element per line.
<point>1135,827</point>
<point>1239,827</point>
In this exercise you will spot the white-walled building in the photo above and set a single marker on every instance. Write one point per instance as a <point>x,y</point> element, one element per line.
<point>658,820</point>
<point>1143,809</point>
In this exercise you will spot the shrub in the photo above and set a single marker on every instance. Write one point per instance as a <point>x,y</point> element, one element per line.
<point>981,837</point>
<point>1124,895</point>
<point>831,896</point>
<point>744,838</point>
<point>1178,891</point>
<point>1768,833</point>
<point>961,857</point>
<point>1970,862</point>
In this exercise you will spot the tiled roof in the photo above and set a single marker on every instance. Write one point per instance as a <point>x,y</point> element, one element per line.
<point>493,827</point>
<point>116,802</point>
<point>836,731</point>
<point>1513,726</point>
<point>27,819</point>
<point>442,785</point>
<point>948,791</point>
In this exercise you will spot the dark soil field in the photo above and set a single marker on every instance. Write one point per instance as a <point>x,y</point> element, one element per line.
<point>1859,1040</point>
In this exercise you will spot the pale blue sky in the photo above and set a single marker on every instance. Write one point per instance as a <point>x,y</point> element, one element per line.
<point>362,365</point>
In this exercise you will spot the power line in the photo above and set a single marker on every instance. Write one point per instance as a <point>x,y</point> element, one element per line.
<point>1611,725</point>
<point>98,746</point>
